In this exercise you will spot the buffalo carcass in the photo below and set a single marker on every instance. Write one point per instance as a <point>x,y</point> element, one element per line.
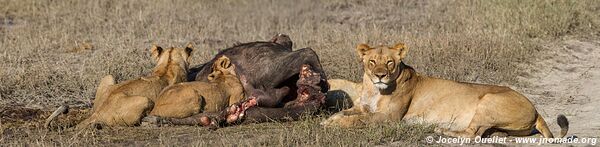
<point>270,72</point>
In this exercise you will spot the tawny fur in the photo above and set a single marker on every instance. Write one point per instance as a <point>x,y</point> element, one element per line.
<point>126,103</point>
<point>393,91</point>
<point>189,98</point>
<point>342,93</point>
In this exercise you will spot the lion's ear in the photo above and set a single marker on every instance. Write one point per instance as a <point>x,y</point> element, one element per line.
<point>188,51</point>
<point>189,48</point>
<point>222,63</point>
<point>213,75</point>
<point>402,50</point>
<point>156,51</point>
<point>362,49</point>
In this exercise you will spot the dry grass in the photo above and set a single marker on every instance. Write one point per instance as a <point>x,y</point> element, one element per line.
<point>54,52</point>
<point>299,133</point>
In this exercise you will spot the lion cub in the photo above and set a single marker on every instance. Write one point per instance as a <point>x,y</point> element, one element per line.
<point>186,99</point>
<point>126,103</point>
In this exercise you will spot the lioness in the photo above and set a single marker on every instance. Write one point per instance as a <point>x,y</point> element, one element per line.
<point>189,98</point>
<point>126,103</point>
<point>393,91</point>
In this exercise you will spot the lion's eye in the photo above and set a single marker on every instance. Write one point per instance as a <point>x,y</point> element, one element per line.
<point>390,63</point>
<point>372,62</point>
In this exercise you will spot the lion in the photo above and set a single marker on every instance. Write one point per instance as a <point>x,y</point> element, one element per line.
<point>222,90</point>
<point>126,103</point>
<point>394,91</point>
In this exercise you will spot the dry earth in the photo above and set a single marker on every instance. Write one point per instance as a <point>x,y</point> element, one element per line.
<point>567,81</point>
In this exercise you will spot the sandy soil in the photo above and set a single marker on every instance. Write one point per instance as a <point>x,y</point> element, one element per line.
<point>567,81</point>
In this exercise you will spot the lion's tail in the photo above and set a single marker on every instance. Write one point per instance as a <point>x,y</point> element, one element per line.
<point>562,121</point>
<point>61,110</point>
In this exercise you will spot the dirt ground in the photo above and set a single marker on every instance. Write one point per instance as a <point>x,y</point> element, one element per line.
<point>567,81</point>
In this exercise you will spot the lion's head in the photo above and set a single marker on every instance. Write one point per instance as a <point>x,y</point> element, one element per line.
<point>172,62</point>
<point>223,70</point>
<point>224,74</point>
<point>381,63</point>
